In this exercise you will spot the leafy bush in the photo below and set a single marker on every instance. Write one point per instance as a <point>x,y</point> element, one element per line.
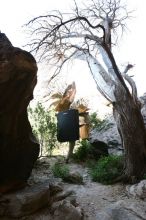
<point>97,123</point>
<point>144,176</point>
<point>107,169</point>
<point>44,127</point>
<point>82,151</point>
<point>60,170</point>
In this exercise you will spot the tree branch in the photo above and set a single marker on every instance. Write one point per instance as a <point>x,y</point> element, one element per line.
<point>130,81</point>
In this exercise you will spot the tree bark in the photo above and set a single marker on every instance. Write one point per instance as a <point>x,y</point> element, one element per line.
<point>131,127</point>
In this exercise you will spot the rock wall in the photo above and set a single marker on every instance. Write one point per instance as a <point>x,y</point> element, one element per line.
<point>18,147</point>
<point>110,136</point>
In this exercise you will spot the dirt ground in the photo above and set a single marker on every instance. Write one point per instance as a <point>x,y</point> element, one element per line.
<point>91,196</point>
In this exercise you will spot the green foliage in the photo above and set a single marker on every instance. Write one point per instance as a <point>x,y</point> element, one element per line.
<point>60,170</point>
<point>82,151</point>
<point>44,127</point>
<point>97,123</point>
<point>144,176</point>
<point>107,169</point>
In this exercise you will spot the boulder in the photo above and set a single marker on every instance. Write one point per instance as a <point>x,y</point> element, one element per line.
<point>62,195</point>
<point>122,210</point>
<point>98,149</point>
<point>108,135</point>
<point>74,177</point>
<point>138,190</point>
<point>18,147</point>
<point>25,202</point>
<point>66,211</point>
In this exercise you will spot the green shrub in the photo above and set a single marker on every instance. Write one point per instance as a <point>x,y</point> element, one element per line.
<point>60,170</point>
<point>44,127</point>
<point>82,151</point>
<point>144,176</point>
<point>97,123</point>
<point>107,169</point>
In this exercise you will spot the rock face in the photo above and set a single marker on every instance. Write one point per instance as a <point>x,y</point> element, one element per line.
<point>46,201</point>
<point>68,212</point>
<point>122,211</point>
<point>99,149</point>
<point>109,137</point>
<point>18,148</point>
<point>24,202</point>
<point>138,190</point>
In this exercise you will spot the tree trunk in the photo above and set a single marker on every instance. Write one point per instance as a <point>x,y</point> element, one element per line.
<point>133,134</point>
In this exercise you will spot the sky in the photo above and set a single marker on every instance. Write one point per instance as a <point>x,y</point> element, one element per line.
<point>131,48</point>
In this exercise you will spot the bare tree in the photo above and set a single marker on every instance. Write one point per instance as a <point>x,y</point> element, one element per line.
<point>89,34</point>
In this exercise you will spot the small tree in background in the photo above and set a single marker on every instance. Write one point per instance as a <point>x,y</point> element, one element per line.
<point>99,124</point>
<point>44,127</point>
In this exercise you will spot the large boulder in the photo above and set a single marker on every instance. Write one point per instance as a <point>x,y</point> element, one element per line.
<point>66,211</point>
<point>123,210</point>
<point>138,190</point>
<point>18,147</point>
<point>98,149</point>
<point>25,201</point>
<point>108,135</point>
